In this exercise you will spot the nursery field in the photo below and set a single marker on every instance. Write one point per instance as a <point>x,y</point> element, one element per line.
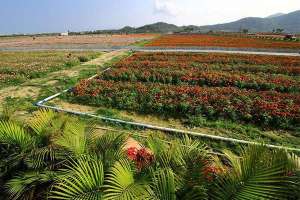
<point>188,40</point>
<point>249,89</point>
<point>78,41</point>
<point>17,67</point>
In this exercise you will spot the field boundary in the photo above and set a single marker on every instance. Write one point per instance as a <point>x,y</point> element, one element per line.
<point>275,52</point>
<point>41,104</point>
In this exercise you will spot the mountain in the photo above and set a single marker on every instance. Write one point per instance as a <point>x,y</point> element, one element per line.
<point>275,15</point>
<point>159,27</point>
<point>289,22</point>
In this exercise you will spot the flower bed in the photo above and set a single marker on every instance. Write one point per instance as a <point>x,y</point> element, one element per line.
<point>187,87</point>
<point>221,41</point>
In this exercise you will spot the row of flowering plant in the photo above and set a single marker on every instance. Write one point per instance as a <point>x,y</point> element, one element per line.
<point>261,107</point>
<point>175,40</point>
<point>184,84</point>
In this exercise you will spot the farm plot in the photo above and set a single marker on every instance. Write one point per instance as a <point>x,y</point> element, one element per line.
<point>74,41</point>
<point>188,40</point>
<point>250,89</point>
<point>17,67</point>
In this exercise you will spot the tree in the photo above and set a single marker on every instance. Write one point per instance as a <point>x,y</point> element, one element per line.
<point>279,30</point>
<point>245,31</point>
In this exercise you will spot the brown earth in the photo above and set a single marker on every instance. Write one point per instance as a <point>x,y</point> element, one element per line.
<point>86,40</point>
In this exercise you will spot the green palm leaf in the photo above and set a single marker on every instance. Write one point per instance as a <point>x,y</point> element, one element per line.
<point>83,180</point>
<point>254,175</point>
<point>13,134</point>
<point>73,138</point>
<point>110,146</point>
<point>24,185</point>
<point>163,185</point>
<point>41,120</point>
<point>121,185</point>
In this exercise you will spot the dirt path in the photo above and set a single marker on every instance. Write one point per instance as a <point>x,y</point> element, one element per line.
<point>32,88</point>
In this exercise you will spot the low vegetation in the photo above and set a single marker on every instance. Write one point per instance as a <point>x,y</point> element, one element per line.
<point>183,85</point>
<point>18,67</point>
<point>54,156</point>
<point>177,40</point>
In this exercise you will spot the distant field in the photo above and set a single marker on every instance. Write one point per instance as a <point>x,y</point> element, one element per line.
<point>251,89</point>
<point>17,67</point>
<point>77,41</point>
<point>221,41</point>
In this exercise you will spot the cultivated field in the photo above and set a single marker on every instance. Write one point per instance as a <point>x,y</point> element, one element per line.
<point>190,40</point>
<point>79,41</point>
<point>246,89</point>
<point>17,67</point>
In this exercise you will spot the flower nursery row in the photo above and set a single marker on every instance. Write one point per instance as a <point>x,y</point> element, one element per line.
<point>205,70</point>
<point>220,41</point>
<point>267,108</point>
<point>197,76</point>
<point>226,62</point>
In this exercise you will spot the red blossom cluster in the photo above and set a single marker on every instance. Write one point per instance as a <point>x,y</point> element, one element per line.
<point>141,157</point>
<point>210,172</point>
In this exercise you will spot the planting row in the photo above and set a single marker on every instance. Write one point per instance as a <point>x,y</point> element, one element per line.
<point>225,70</point>
<point>196,76</point>
<point>266,108</point>
<point>216,61</point>
<point>220,41</point>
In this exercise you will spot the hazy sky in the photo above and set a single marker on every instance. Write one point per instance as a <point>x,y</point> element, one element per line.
<point>27,16</point>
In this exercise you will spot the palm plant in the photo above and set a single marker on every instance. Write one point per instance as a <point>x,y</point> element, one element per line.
<point>58,157</point>
<point>258,173</point>
<point>36,150</point>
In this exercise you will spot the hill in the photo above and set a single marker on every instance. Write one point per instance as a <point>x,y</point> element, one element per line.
<point>289,22</point>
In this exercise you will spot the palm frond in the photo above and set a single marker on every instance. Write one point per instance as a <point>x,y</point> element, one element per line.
<point>45,157</point>
<point>110,146</point>
<point>29,184</point>
<point>163,185</point>
<point>13,134</point>
<point>83,180</point>
<point>115,141</point>
<point>41,120</point>
<point>73,138</point>
<point>165,154</point>
<point>257,175</point>
<point>120,183</point>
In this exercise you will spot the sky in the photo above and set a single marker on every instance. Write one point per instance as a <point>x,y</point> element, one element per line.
<point>37,16</point>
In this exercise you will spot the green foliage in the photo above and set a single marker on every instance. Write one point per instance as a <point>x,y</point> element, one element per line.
<point>58,157</point>
<point>258,174</point>
<point>83,180</point>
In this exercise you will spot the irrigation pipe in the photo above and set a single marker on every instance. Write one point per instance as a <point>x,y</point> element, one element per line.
<point>41,104</point>
<point>143,136</point>
<point>164,129</point>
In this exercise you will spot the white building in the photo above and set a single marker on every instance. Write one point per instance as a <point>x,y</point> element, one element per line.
<point>64,34</point>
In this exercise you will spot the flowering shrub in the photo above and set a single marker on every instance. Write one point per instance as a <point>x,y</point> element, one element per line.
<point>146,83</point>
<point>220,41</point>
<point>141,157</point>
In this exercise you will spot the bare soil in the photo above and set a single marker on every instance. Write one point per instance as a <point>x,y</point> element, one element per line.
<point>104,40</point>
